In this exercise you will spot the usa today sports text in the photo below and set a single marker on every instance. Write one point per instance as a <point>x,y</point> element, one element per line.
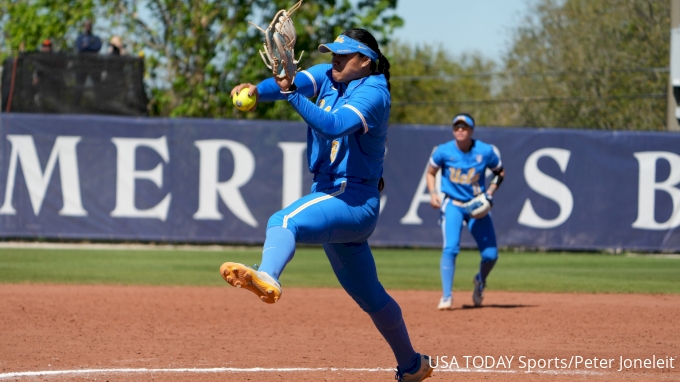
<point>574,362</point>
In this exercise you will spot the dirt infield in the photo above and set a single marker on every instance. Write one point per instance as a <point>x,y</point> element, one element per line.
<point>111,333</point>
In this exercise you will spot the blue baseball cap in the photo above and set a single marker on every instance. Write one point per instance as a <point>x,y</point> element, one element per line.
<point>346,45</point>
<point>464,119</point>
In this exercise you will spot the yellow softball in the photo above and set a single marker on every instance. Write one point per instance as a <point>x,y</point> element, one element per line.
<point>243,101</point>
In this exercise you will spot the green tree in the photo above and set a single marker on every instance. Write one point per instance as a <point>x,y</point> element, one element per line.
<point>430,87</point>
<point>32,21</point>
<point>581,63</point>
<point>197,50</point>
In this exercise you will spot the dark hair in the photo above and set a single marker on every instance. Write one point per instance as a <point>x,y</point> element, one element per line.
<point>382,66</point>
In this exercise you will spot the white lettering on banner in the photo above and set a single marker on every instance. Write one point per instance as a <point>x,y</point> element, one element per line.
<point>548,187</point>
<point>126,176</point>
<point>24,152</point>
<point>647,188</point>
<point>421,196</point>
<point>209,187</point>
<point>292,171</point>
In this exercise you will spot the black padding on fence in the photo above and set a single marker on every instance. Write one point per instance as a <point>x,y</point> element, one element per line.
<point>74,84</point>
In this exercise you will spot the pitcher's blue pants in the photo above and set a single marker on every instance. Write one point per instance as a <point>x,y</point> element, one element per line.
<point>341,215</point>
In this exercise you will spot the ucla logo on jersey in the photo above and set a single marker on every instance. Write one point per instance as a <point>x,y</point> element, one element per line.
<point>457,176</point>
<point>479,158</point>
<point>323,102</point>
<point>334,149</point>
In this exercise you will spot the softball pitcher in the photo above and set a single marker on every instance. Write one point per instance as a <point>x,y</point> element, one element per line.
<point>463,162</point>
<point>346,135</point>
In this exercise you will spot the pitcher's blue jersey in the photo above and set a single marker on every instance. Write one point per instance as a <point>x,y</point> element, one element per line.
<point>463,173</point>
<point>352,142</point>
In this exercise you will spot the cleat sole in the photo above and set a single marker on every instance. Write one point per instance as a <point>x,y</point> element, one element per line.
<point>241,276</point>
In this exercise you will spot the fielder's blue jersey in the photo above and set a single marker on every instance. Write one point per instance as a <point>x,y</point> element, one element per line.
<point>347,127</point>
<point>463,173</point>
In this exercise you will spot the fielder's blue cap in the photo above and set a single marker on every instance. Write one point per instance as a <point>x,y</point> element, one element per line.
<point>463,119</point>
<point>346,45</point>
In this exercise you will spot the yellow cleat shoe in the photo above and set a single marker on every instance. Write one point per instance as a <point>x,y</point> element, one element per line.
<point>260,283</point>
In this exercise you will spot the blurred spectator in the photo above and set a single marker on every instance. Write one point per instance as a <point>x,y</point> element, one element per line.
<point>86,41</point>
<point>48,80</point>
<point>116,46</point>
<point>88,68</point>
<point>113,75</point>
<point>46,46</point>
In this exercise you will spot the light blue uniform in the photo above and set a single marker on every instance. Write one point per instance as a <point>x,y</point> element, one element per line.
<point>463,177</point>
<point>346,135</point>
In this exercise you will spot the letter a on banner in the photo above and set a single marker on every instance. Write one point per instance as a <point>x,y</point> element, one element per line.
<point>421,196</point>
<point>293,157</point>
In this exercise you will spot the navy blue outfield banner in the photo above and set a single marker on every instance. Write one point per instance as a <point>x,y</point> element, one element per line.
<point>218,181</point>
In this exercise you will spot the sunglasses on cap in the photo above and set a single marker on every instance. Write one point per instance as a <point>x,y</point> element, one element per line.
<point>462,119</point>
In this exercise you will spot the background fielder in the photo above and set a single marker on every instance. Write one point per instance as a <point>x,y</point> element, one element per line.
<point>463,162</point>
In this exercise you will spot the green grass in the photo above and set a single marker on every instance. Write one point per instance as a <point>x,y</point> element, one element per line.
<point>398,269</point>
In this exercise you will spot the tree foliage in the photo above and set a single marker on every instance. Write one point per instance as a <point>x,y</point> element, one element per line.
<point>572,63</point>
<point>581,63</point>
<point>32,21</point>
<point>197,50</point>
<point>430,87</point>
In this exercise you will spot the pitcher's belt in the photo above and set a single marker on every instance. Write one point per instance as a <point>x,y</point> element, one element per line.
<point>456,202</point>
<point>350,179</point>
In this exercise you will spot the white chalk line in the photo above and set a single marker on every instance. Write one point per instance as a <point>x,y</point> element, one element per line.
<point>125,246</point>
<point>284,369</point>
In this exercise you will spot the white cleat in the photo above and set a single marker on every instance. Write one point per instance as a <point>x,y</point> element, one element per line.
<point>445,303</point>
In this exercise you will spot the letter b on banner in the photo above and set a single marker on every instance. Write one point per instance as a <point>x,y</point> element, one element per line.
<point>647,188</point>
